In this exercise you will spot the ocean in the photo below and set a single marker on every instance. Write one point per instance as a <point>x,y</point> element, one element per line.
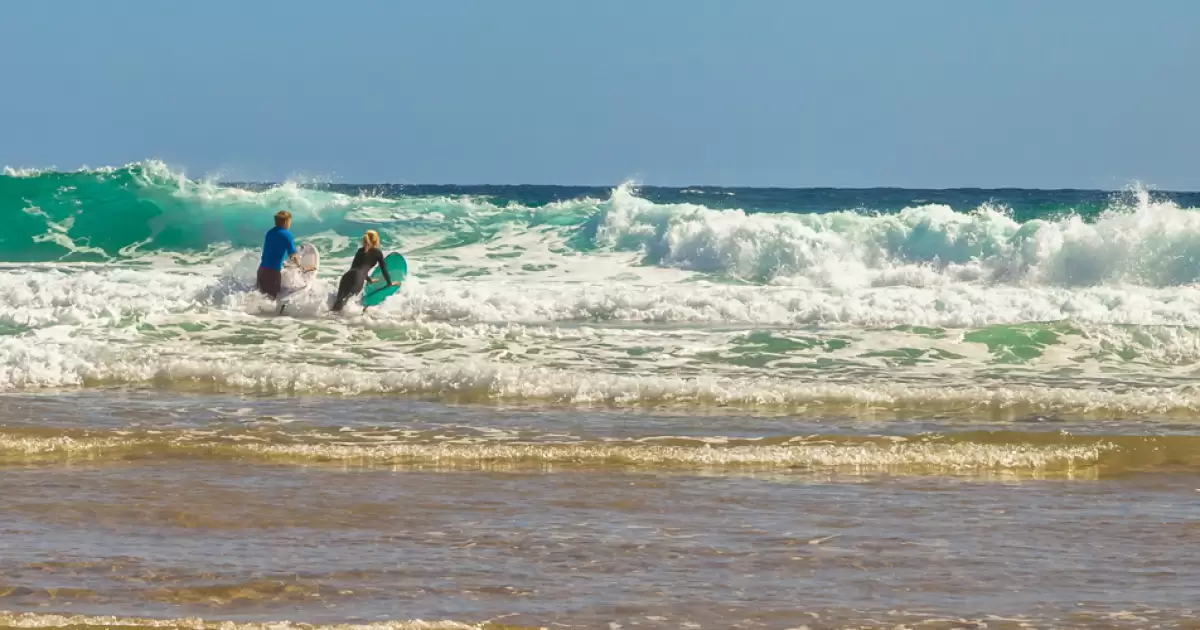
<point>622,407</point>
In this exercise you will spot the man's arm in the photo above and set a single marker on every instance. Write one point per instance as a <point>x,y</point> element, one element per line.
<point>291,251</point>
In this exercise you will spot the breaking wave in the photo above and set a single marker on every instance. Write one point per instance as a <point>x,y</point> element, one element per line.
<point>1133,238</point>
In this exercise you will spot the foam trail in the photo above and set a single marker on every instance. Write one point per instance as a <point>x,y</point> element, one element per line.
<point>955,306</point>
<point>916,457</point>
<point>55,360</point>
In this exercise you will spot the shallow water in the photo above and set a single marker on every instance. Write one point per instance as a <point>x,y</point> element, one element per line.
<point>376,510</point>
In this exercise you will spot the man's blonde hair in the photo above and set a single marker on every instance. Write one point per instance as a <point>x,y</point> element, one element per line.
<point>371,237</point>
<point>282,217</point>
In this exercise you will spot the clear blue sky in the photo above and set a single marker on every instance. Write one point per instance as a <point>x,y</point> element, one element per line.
<point>1033,93</point>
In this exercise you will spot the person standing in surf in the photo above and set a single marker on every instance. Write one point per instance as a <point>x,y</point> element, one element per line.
<point>278,248</point>
<point>365,260</point>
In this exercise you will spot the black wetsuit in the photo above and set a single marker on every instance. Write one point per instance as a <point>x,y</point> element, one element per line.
<point>354,280</point>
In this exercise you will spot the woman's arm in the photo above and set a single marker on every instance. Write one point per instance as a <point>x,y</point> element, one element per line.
<point>383,267</point>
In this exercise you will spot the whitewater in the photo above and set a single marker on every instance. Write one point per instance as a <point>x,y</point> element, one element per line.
<point>1006,300</point>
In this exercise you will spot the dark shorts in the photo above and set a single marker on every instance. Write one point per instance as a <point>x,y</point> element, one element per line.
<point>270,281</point>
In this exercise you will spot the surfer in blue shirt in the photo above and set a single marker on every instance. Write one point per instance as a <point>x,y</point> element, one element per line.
<point>278,248</point>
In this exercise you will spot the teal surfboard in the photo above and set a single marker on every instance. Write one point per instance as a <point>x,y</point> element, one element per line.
<point>375,293</point>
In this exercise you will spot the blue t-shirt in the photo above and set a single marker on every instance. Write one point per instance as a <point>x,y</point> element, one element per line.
<point>278,245</point>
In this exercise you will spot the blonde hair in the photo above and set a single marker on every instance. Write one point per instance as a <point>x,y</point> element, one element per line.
<point>371,238</point>
<point>282,217</point>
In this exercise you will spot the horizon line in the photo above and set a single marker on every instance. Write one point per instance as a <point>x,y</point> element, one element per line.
<point>706,187</point>
<point>215,179</point>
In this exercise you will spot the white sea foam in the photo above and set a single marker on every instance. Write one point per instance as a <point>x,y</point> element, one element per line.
<point>297,359</point>
<point>960,306</point>
<point>1147,242</point>
<point>593,342</point>
<point>46,295</point>
<point>900,456</point>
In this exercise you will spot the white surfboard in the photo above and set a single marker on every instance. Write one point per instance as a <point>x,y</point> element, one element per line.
<point>295,278</point>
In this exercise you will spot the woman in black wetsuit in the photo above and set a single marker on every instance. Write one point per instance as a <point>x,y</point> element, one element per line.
<point>365,260</point>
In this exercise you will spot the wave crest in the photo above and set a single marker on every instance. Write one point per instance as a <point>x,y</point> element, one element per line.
<point>1137,240</point>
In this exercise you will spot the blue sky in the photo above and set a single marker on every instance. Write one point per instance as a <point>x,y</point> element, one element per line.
<point>1062,93</point>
